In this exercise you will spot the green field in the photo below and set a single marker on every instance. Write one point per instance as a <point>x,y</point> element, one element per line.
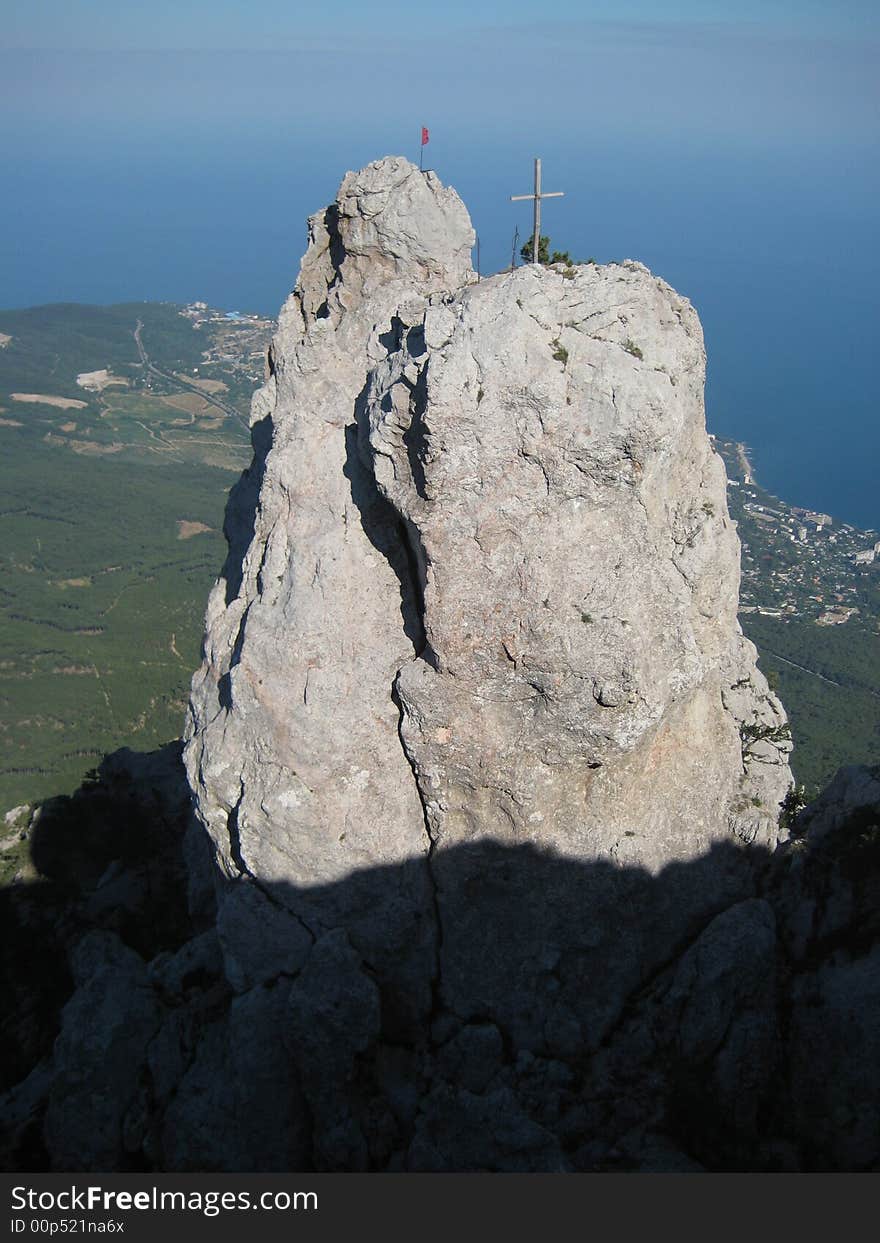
<point>102,607</point>
<point>110,538</point>
<point>51,345</point>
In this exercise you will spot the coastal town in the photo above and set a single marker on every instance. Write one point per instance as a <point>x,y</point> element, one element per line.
<point>796,562</point>
<point>236,342</point>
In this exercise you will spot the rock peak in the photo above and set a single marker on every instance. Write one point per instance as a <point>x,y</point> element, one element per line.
<point>481,592</point>
<point>390,224</point>
<point>482,562</point>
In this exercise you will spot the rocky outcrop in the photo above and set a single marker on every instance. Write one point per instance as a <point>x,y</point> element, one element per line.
<point>482,587</point>
<point>294,751</point>
<point>488,515</point>
<point>486,780</point>
<point>583,678</point>
<point>754,1047</point>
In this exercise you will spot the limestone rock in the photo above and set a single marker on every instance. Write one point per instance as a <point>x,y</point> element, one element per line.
<point>333,1016</point>
<point>721,1012</point>
<point>293,745</point>
<point>484,521</point>
<point>490,1132</point>
<point>238,1104</point>
<point>583,677</point>
<point>854,792</point>
<point>835,1051</point>
<point>99,1057</point>
<point>174,974</point>
<point>731,963</point>
<point>543,439</point>
<point>22,1108</point>
<point>259,939</point>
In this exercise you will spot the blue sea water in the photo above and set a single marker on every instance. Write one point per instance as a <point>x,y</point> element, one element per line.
<point>777,251</point>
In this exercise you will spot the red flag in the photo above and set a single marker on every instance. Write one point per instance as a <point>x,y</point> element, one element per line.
<point>425,136</point>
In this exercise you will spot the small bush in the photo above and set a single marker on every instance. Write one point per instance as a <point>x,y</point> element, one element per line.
<point>773,734</point>
<point>793,803</point>
<point>560,353</point>
<point>632,348</point>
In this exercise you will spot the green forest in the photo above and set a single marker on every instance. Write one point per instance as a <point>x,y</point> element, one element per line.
<point>51,345</point>
<point>828,678</point>
<point>110,538</point>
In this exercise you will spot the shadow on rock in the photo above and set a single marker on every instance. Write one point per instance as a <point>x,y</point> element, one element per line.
<point>724,1014</point>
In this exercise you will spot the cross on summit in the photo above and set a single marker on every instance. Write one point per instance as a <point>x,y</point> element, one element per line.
<point>537,196</point>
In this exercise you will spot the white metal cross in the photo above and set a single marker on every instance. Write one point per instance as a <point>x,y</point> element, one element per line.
<point>537,196</point>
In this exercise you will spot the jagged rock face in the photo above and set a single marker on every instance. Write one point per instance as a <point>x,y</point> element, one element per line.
<point>488,522</point>
<point>584,685</point>
<point>480,598</point>
<point>294,751</point>
<point>752,1046</point>
<point>584,681</point>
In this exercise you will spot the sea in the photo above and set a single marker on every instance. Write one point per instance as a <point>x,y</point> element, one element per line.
<point>776,248</point>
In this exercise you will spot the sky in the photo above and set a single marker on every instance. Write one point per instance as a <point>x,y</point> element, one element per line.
<point>233,25</point>
<point>173,150</point>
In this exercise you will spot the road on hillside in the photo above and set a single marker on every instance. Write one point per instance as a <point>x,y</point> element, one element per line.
<point>150,368</point>
<point>868,690</point>
<point>804,669</point>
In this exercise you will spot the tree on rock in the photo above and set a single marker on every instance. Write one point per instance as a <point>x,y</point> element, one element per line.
<point>544,253</point>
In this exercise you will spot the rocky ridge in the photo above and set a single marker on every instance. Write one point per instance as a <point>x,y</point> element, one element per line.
<point>486,779</point>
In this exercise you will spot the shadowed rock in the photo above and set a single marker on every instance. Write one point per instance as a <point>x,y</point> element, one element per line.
<point>752,1045</point>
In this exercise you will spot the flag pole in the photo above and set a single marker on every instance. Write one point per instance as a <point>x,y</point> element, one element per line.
<point>423,142</point>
